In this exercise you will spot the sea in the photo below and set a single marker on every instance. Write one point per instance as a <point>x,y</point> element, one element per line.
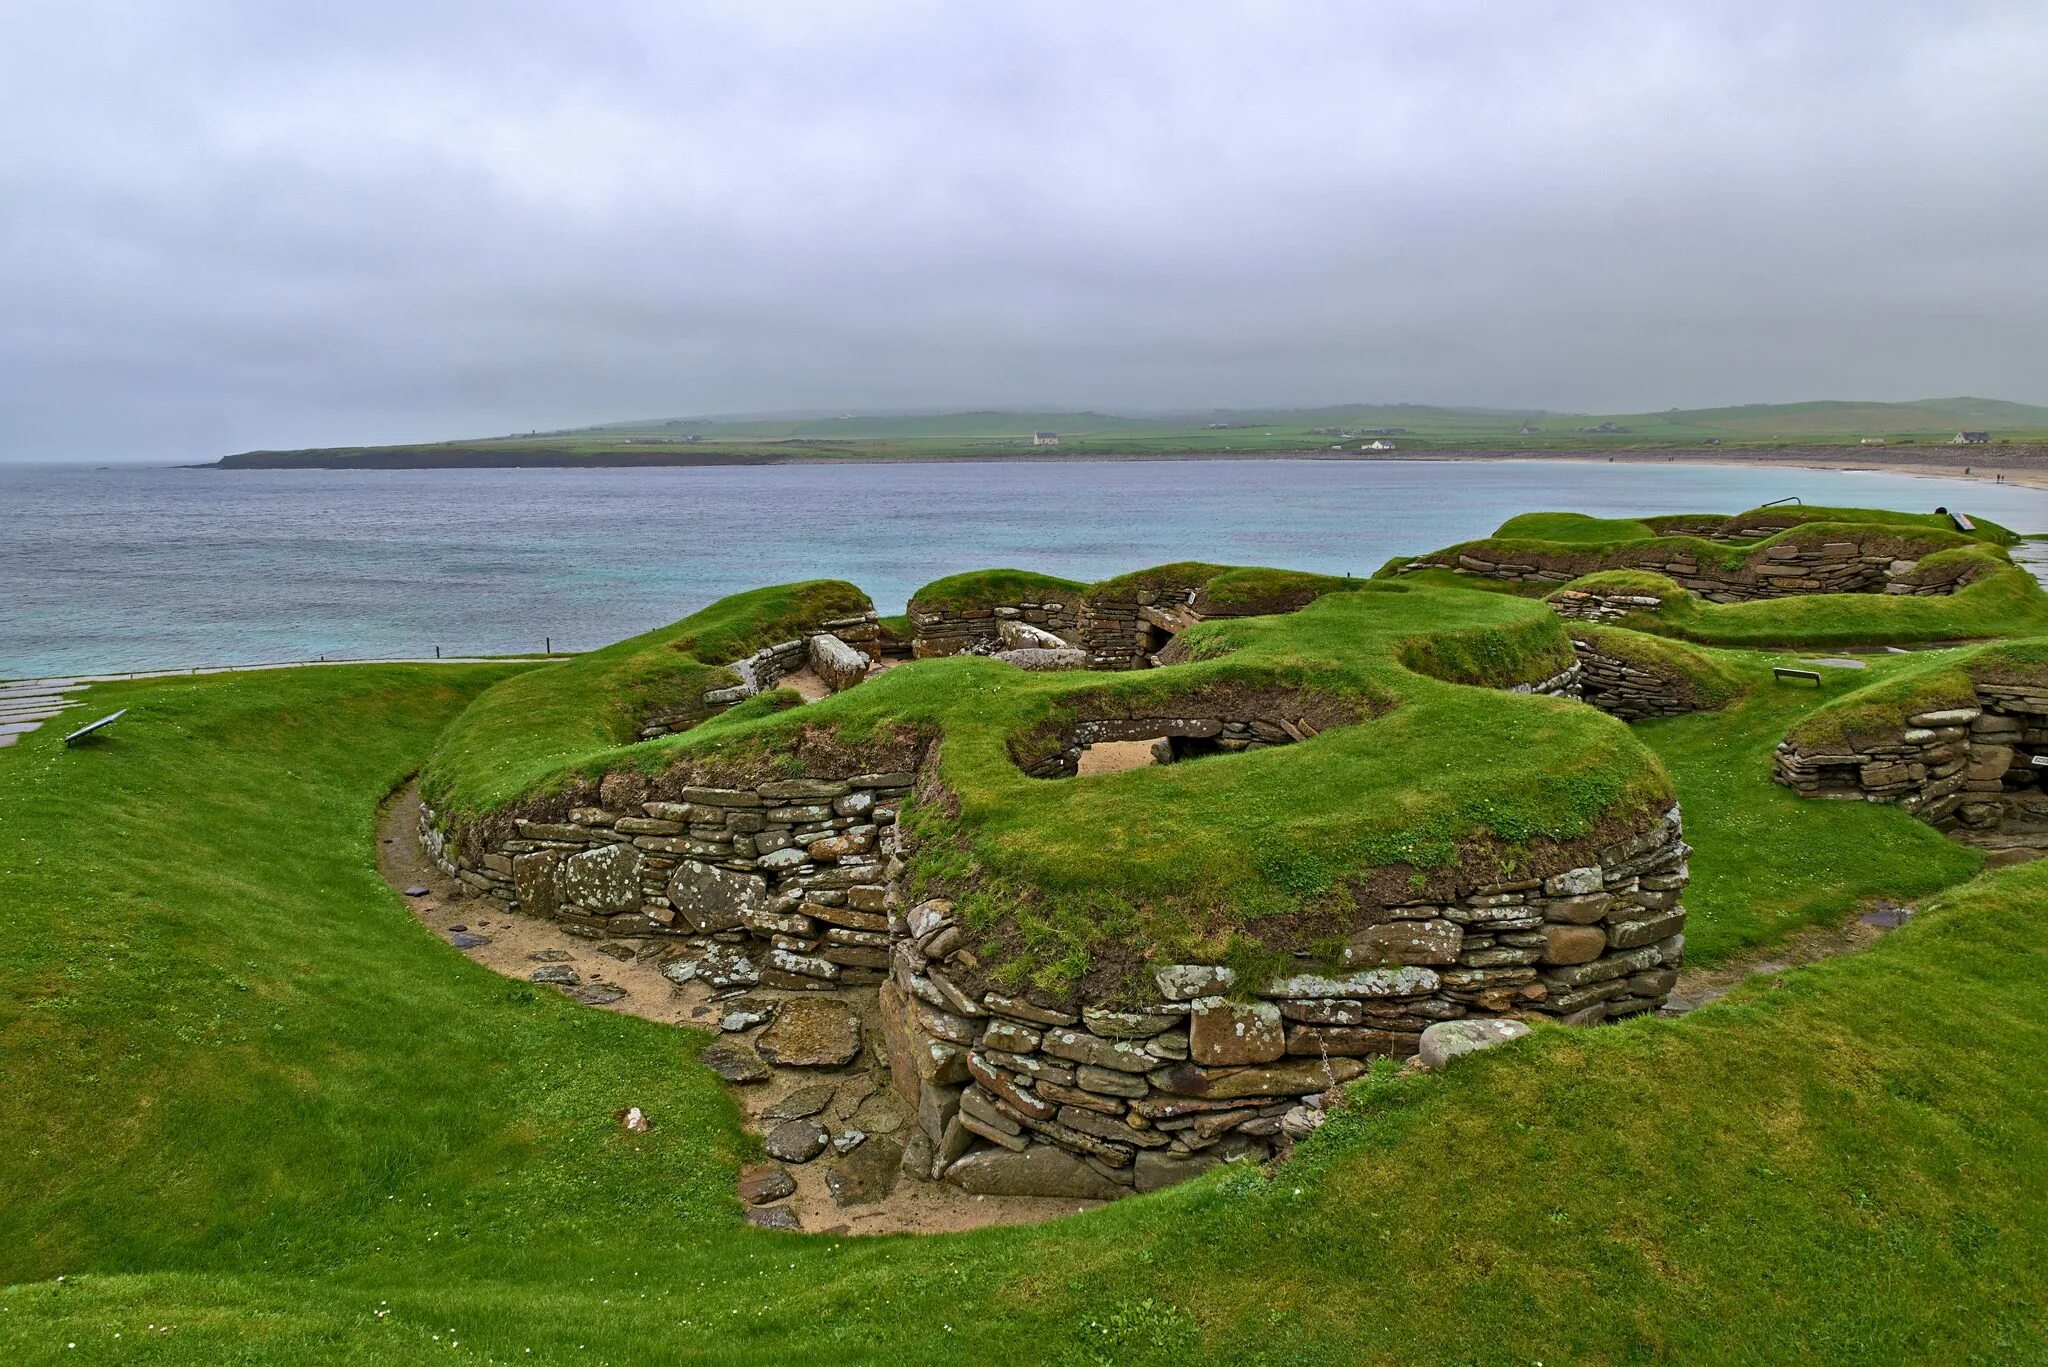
<point>132,568</point>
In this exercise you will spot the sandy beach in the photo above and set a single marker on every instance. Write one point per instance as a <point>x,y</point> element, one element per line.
<point>2025,466</point>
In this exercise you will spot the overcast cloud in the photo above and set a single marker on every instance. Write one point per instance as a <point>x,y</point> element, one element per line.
<point>235,225</point>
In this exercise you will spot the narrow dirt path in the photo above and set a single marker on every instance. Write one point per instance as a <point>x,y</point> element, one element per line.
<point>1697,987</point>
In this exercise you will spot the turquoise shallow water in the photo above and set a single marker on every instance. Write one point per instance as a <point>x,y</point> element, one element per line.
<point>159,568</point>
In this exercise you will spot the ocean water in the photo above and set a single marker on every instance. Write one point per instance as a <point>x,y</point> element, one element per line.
<point>132,569</point>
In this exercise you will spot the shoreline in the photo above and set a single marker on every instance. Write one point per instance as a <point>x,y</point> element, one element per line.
<point>2025,478</point>
<point>2025,467</point>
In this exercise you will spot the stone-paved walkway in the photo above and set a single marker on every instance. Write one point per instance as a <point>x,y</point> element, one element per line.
<point>28,703</point>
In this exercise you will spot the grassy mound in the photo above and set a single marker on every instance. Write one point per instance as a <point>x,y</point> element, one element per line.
<point>1573,528</point>
<point>1793,515</point>
<point>1627,583</point>
<point>1079,880</point>
<point>1769,862</point>
<point>1253,592</point>
<point>2004,601</point>
<point>1571,543</point>
<point>1182,576</point>
<point>518,736</point>
<point>1702,681</point>
<point>1733,558</point>
<point>988,588</point>
<point>1929,683</point>
<point>259,1115</point>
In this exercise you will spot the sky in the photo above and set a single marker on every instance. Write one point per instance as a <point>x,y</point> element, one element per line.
<point>229,225</point>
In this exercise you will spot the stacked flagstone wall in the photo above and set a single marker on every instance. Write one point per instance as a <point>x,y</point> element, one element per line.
<point>830,648</point>
<point>796,884</point>
<point>948,629</point>
<point>1627,689</point>
<point>1776,572</point>
<point>1970,768</point>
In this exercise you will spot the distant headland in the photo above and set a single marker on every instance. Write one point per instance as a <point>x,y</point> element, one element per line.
<point>1948,436</point>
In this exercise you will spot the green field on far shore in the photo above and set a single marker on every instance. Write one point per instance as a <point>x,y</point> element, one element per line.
<point>1344,429</point>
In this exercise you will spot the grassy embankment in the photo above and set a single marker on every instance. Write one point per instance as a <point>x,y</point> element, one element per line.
<point>520,732</point>
<point>257,1114</point>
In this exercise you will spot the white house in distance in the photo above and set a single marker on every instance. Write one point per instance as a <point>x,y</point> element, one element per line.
<point>1873,441</point>
<point>1045,439</point>
<point>1969,439</point>
<point>1377,444</point>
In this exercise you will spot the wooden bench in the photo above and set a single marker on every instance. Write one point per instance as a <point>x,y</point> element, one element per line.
<point>1785,674</point>
<point>82,732</point>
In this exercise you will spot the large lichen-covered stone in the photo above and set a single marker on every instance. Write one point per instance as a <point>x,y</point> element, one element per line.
<point>604,880</point>
<point>536,881</point>
<point>1373,982</point>
<point>1447,1040</point>
<point>1079,1046</point>
<point>1227,1032</point>
<point>1404,942</point>
<point>712,899</point>
<point>836,662</point>
<point>1179,982</point>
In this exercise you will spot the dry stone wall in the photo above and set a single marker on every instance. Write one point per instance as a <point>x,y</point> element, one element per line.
<point>838,641</point>
<point>1125,632</point>
<point>789,878</point>
<point>946,629</point>
<point>1019,1096</point>
<point>1594,605</point>
<point>1967,768</point>
<point>1776,572</point>
<point>796,884</point>
<point>1627,690</point>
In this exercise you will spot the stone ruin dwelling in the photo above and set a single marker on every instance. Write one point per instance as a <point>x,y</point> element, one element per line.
<point>773,892</point>
<point>799,887</point>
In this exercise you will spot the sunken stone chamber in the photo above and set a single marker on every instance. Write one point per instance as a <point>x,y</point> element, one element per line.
<point>838,651</point>
<point>798,885</point>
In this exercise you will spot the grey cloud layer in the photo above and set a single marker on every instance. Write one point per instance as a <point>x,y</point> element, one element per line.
<point>233,225</point>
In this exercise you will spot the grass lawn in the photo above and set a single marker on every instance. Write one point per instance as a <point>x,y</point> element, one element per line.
<point>1771,862</point>
<point>251,1103</point>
